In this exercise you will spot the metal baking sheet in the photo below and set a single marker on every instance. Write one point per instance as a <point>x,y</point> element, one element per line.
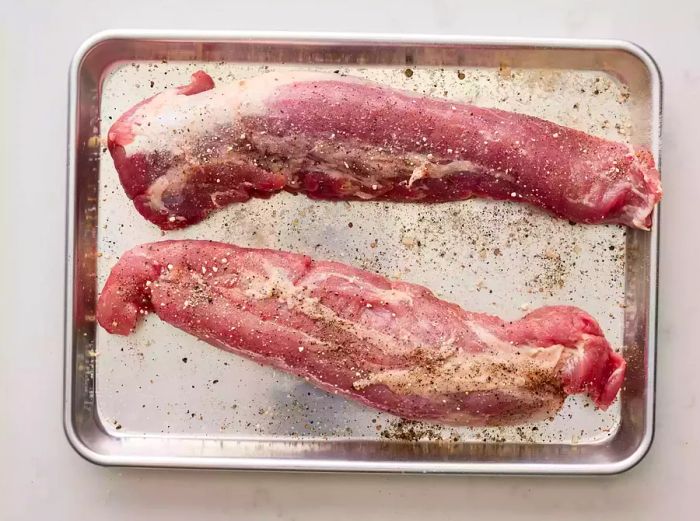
<point>161,397</point>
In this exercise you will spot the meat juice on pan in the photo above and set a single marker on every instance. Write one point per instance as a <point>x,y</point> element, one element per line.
<point>499,258</point>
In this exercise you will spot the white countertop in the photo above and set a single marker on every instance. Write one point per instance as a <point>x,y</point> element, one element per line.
<point>42,477</point>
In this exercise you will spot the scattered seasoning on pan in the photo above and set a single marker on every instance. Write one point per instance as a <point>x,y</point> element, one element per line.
<point>479,240</point>
<point>406,430</point>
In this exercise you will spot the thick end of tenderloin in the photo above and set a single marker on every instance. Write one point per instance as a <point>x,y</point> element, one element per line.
<point>592,367</point>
